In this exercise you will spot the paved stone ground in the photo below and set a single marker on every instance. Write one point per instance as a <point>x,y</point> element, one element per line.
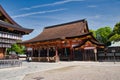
<point>81,71</point>
<point>19,73</point>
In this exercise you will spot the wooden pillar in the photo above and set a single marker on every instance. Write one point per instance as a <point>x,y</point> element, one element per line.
<point>39,50</point>
<point>56,55</point>
<point>71,51</point>
<point>84,55</point>
<point>32,53</point>
<point>48,54</point>
<point>73,55</point>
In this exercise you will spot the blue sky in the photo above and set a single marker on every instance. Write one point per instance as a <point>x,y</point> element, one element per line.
<point>37,14</point>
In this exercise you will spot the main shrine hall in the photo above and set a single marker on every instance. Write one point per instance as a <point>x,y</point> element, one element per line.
<point>67,41</point>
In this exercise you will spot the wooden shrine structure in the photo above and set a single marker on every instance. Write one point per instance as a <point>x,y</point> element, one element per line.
<point>67,41</point>
<point>10,32</point>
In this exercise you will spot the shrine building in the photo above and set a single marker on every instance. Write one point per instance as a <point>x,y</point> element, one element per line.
<point>67,41</point>
<point>10,32</point>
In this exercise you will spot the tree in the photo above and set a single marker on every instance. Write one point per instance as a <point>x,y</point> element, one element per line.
<point>102,34</point>
<point>16,48</point>
<point>116,28</point>
<point>93,32</point>
<point>115,35</point>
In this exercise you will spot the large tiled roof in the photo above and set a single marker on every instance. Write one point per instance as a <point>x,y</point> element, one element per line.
<point>13,25</point>
<point>66,30</point>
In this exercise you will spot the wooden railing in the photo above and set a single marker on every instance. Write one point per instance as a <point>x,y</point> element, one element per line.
<point>10,63</point>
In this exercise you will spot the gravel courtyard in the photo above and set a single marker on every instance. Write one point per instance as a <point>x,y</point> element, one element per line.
<point>80,71</point>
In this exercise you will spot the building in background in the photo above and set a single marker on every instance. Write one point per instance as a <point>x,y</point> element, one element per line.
<point>10,32</point>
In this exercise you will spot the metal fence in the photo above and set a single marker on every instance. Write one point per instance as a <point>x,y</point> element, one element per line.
<point>10,63</point>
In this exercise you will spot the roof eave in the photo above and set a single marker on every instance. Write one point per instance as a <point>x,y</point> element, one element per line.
<point>14,27</point>
<point>56,39</point>
<point>65,23</point>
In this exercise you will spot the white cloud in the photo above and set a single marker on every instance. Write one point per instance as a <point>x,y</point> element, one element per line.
<point>97,16</point>
<point>51,4</point>
<point>40,12</point>
<point>92,6</point>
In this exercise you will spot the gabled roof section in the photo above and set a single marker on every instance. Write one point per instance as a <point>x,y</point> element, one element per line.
<point>60,31</point>
<point>7,22</point>
<point>3,13</point>
<point>93,41</point>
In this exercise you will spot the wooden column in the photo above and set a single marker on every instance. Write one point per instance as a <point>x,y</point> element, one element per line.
<point>32,53</point>
<point>85,55</point>
<point>71,51</point>
<point>48,54</point>
<point>56,55</point>
<point>39,50</point>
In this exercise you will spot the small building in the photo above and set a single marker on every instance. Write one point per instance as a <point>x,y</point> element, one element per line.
<point>67,41</point>
<point>10,32</point>
<point>111,53</point>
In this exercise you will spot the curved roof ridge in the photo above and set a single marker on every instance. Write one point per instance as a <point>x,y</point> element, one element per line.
<point>8,17</point>
<point>12,23</point>
<point>65,23</point>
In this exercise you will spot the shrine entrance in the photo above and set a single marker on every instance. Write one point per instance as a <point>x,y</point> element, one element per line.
<point>89,54</point>
<point>78,54</point>
<point>64,53</point>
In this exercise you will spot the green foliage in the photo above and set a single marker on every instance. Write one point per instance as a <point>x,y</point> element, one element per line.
<point>106,35</point>
<point>115,35</point>
<point>102,34</point>
<point>116,28</point>
<point>93,32</point>
<point>16,48</point>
